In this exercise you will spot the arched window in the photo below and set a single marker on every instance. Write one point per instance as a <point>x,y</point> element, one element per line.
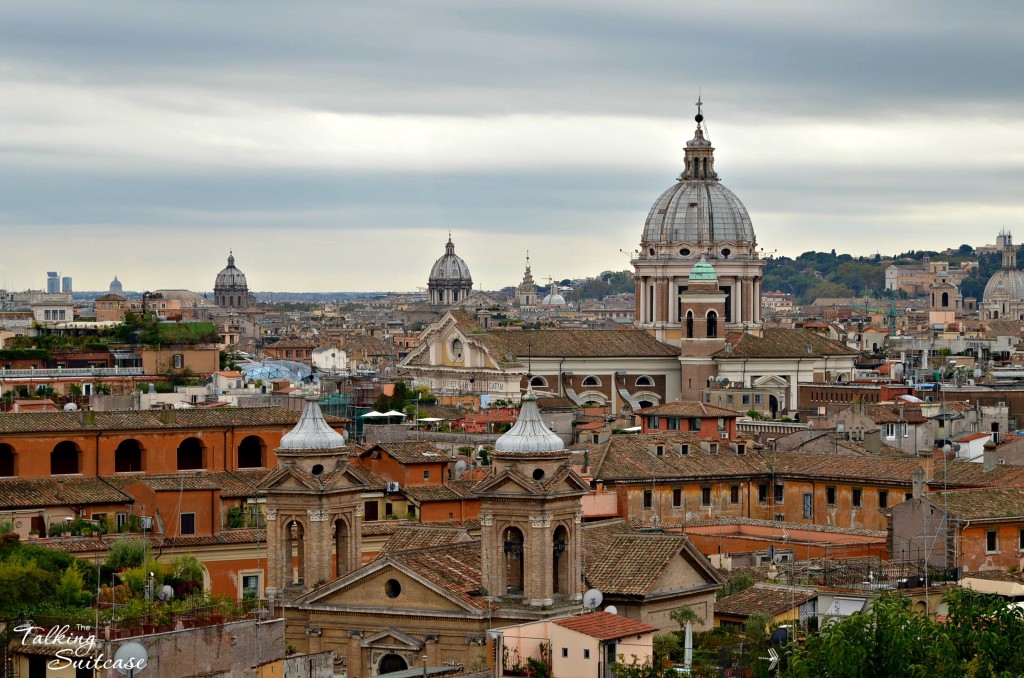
<point>128,457</point>
<point>712,324</point>
<point>560,560</point>
<point>689,324</point>
<point>65,458</point>
<point>341,547</point>
<point>644,381</point>
<point>190,455</point>
<point>591,381</point>
<point>250,452</point>
<point>7,467</point>
<point>539,382</point>
<point>945,300</point>
<point>296,553</point>
<point>512,545</point>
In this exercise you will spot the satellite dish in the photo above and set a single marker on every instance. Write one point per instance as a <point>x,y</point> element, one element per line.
<point>777,558</point>
<point>611,609</point>
<point>592,598</point>
<point>70,407</point>
<point>461,466</point>
<point>166,593</point>
<point>724,381</point>
<point>131,658</point>
<point>780,636</point>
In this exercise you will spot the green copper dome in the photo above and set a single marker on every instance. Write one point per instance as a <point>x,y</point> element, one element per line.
<point>702,270</point>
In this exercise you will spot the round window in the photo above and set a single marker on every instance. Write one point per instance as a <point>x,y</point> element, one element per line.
<point>651,251</point>
<point>685,252</point>
<point>317,469</point>
<point>726,252</point>
<point>538,474</point>
<point>392,588</point>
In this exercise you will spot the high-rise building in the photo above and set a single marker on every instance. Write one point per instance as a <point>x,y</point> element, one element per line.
<point>52,282</point>
<point>65,284</point>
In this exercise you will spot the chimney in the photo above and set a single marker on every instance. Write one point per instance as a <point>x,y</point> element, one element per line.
<point>873,441</point>
<point>988,459</point>
<point>168,417</point>
<point>88,418</point>
<point>918,480</point>
<point>927,460</point>
<point>60,489</point>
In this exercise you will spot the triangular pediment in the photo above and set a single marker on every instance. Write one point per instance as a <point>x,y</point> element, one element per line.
<point>437,339</point>
<point>369,588</point>
<point>507,483</point>
<point>288,477</point>
<point>394,639</point>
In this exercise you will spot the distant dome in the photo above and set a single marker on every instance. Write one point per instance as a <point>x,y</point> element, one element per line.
<point>554,299</point>
<point>450,267</point>
<point>116,287</point>
<point>231,277</point>
<point>1006,284</point>
<point>702,270</point>
<point>529,433</point>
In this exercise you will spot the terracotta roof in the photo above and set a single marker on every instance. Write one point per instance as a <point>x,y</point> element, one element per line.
<point>454,567</point>
<point>620,561</point>
<point>891,413</point>
<point>69,491</point>
<point>412,452</point>
<point>372,481</point>
<point>84,545</point>
<point>681,408</point>
<point>605,625</point>
<point>362,344</point>
<point>763,599</point>
<point>585,344</point>
<point>232,484</point>
<point>979,504</point>
<point>777,342</point>
<point>629,457</point>
<point>551,403</point>
<point>293,343</point>
<point>34,422</point>
<point>451,491</point>
<point>422,536</point>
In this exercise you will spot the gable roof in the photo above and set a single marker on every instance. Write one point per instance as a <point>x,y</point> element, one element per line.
<point>455,568</point>
<point>979,504</point>
<point>688,409</point>
<point>763,599</point>
<point>412,538</point>
<point>629,457</point>
<point>73,491</point>
<point>778,342</point>
<point>410,452</point>
<point>605,626</point>
<point>71,422</point>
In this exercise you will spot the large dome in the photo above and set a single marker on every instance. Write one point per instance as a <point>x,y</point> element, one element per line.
<point>230,277</point>
<point>450,267</point>
<point>692,212</point>
<point>1006,284</point>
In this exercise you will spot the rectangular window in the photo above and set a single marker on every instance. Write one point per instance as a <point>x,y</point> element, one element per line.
<point>684,448</point>
<point>178,361</point>
<point>120,520</point>
<point>426,474</point>
<point>695,424</point>
<point>586,653</point>
<point>746,399</point>
<point>1020,540</point>
<point>991,542</point>
<point>188,523</point>
<point>858,495</point>
<point>907,496</point>
<point>883,499</point>
<point>741,449</point>
<point>673,423</point>
<point>779,493</point>
<point>648,499</point>
<point>728,400</point>
<point>705,496</point>
<point>758,399</point>
<point>779,518</point>
<point>762,492</point>
<point>713,448</point>
<point>808,506</point>
<point>250,586</point>
<point>906,430</point>
<point>890,431</point>
<point>734,494</point>
<point>653,421</point>
<point>565,652</point>
<point>677,497</point>
<point>659,450</point>
<point>830,496</point>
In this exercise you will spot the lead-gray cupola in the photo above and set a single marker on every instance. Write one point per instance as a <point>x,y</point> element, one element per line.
<point>450,281</point>
<point>230,289</point>
<point>529,433</point>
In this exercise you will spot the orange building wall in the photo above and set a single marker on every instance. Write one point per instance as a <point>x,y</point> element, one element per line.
<point>973,543</point>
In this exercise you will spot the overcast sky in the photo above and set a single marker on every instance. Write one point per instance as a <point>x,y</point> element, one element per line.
<point>332,145</point>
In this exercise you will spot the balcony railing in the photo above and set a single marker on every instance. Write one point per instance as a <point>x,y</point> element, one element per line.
<point>75,372</point>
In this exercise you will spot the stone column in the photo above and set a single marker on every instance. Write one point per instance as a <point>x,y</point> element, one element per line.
<point>274,578</point>
<point>539,563</point>
<point>317,545</point>
<point>737,301</point>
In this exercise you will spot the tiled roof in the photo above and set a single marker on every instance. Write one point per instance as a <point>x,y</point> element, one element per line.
<point>773,524</point>
<point>451,491</point>
<point>293,343</point>
<point>688,409</point>
<point>779,342</point>
<point>455,568</point>
<point>629,457</point>
<point>891,413</point>
<point>69,491</point>
<point>763,599</point>
<point>372,481</point>
<point>628,563</point>
<point>72,422</point>
<point>413,452</point>
<point>83,545</point>
<point>605,625</point>
<point>358,345</point>
<point>585,344</point>
<point>382,528</point>
<point>979,504</point>
<point>232,484</point>
<point>418,537</point>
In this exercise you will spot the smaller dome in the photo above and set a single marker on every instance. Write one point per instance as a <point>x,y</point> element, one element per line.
<point>312,432</point>
<point>704,271</point>
<point>116,287</point>
<point>554,299</point>
<point>230,277</point>
<point>450,267</point>
<point>529,433</point>
<point>1006,284</point>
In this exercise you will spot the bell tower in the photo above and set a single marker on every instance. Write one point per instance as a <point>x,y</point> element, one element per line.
<point>530,517</point>
<point>314,507</point>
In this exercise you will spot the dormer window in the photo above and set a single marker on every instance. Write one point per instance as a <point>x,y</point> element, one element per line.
<point>713,448</point>
<point>684,448</point>
<point>659,450</point>
<point>741,449</point>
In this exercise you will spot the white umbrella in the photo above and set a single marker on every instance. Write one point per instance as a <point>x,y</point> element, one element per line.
<point>430,419</point>
<point>392,413</point>
<point>373,413</point>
